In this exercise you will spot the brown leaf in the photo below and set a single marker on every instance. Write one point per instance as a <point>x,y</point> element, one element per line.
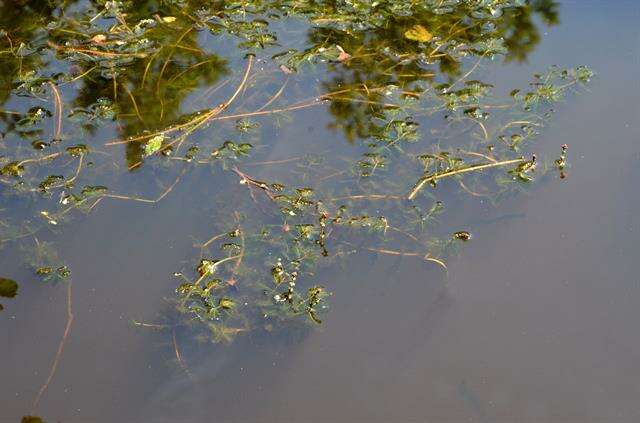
<point>343,54</point>
<point>99,39</point>
<point>286,70</point>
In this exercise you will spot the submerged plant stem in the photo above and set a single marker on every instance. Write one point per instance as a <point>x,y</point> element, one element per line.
<point>181,362</point>
<point>65,335</point>
<point>58,111</point>
<point>472,168</point>
<point>147,200</point>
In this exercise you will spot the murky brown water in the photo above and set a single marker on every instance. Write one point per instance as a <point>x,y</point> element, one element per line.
<point>536,319</point>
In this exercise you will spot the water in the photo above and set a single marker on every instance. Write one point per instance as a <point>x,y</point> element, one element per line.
<point>533,321</point>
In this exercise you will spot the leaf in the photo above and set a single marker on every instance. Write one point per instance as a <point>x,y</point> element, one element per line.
<point>153,145</point>
<point>226,303</point>
<point>77,150</point>
<point>12,169</point>
<point>344,56</point>
<point>286,70</point>
<point>8,288</point>
<point>93,191</point>
<point>169,19</point>
<point>99,39</point>
<point>462,235</point>
<point>207,267</point>
<point>418,33</point>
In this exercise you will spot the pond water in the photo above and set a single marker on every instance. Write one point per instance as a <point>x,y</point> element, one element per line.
<point>506,292</point>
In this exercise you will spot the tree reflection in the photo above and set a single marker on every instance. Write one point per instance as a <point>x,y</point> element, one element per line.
<point>148,67</point>
<point>385,57</point>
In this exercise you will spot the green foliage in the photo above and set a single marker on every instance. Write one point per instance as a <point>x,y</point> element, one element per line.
<point>43,260</point>
<point>49,274</point>
<point>153,145</point>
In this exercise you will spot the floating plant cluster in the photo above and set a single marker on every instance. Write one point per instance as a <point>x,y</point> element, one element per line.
<point>396,79</point>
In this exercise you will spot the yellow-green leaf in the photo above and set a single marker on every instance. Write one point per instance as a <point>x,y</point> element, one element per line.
<point>153,145</point>
<point>8,288</point>
<point>418,33</point>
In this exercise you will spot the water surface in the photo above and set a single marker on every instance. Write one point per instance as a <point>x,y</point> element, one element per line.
<point>534,320</point>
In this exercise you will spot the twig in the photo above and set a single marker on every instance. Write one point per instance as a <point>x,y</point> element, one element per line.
<point>92,52</point>
<point>393,252</point>
<point>70,180</point>
<point>483,156</point>
<point>303,104</point>
<point>470,191</point>
<point>216,110</point>
<point>407,234</point>
<point>232,280</point>
<point>148,66</point>
<point>426,257</point>
<point>82,75</point>
<point>168,59</point>
<point>58,111</point>
<point>190,68</point>
<point>213,238</point>
<point>484,129</point>
<point>146,200</point>
<point>367,197</point>
<point>437,261</point>
<point>54,366</point>
<point>275,97</point>
<point>273,162</point>
<point>472,168</point>
<point>149,325</point>
<point>133,101</point>
<point>181,362</point>
<point>473,68</point>
<point>249,181</point>
<point>40,159</point>
<point>193,124</point>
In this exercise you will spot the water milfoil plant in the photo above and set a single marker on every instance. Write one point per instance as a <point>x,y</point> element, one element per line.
<point>408,88</point>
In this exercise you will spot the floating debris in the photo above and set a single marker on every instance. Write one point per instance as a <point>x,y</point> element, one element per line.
<point>462,235</point>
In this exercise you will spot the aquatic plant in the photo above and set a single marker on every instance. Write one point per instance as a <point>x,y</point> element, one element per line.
<point>154,74</point>
<point>8,289</point>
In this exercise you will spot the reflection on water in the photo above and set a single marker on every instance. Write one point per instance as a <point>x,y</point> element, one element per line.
<point>125,132</point>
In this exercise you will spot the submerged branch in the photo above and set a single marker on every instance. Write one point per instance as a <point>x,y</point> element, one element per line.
<point>65,335</point>
<point>179,359</point>
<point>472,168</point>
<point>147,200</point>
<point>58,111</point>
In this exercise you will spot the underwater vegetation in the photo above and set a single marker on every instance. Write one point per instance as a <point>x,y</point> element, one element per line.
<point>185,85</point>
<point>8,289</point>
